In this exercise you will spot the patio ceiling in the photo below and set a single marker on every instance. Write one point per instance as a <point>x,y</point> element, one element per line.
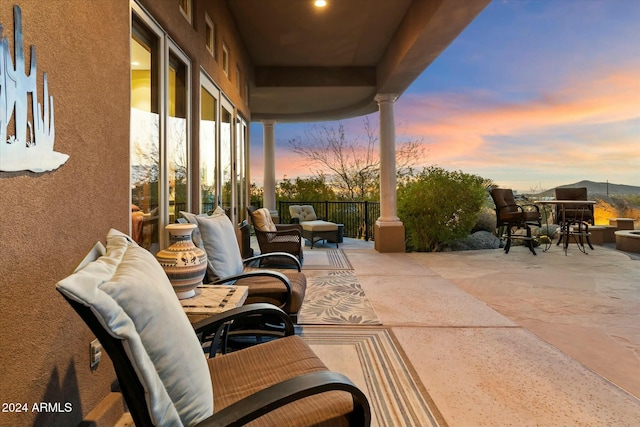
<point>328,63</point>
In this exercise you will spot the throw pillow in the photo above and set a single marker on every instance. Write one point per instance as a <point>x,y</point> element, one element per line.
<point>196,237</point>
<point>262,220</point>
<point>221,245</point>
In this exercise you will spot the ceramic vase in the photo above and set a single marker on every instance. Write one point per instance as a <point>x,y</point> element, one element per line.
<point>184,263</point>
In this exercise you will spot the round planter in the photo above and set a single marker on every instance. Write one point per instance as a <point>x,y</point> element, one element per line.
<point>184,263</point>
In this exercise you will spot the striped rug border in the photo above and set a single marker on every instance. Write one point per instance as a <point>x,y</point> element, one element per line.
<point>338,260</point>
<point>396,395</point>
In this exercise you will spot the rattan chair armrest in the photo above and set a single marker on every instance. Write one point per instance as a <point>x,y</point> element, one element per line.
<point>288,227</point>
<point>291,390</point>
<point>289,232</point>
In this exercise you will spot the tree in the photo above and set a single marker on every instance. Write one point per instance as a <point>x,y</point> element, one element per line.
<point>256,195</point>
<point>305,190</point>
<point>353,163</point>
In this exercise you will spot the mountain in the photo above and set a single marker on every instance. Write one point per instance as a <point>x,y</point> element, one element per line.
<point>597,188</point>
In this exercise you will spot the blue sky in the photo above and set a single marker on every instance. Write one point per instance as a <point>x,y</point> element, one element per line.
<point>533,94</point>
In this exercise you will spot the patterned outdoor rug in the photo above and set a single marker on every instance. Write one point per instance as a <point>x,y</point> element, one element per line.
<point>335,298</point>
<point>370,358</point>
<point>331,259</point>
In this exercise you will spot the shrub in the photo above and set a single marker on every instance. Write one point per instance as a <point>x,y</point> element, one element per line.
<point>439,206</point>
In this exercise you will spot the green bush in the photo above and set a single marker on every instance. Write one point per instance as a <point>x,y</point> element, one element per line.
<point>439,206</point>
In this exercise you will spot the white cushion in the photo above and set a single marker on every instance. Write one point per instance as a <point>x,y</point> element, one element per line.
<point>262,220</point>
<point>132,298</point>
<point>319,226</point>
<point>221,245</point>
<point>303,213</point>
<point>191,217</point>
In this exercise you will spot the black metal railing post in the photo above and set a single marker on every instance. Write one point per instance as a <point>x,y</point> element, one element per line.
<point>366,221</point>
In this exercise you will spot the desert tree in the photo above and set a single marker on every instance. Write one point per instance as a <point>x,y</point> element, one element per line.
<point>352,162</point>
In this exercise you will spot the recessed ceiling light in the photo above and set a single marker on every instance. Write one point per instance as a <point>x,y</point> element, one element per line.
<point>320,3</point>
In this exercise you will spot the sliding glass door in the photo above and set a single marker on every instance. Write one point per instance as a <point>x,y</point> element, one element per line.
<point>160,131</point>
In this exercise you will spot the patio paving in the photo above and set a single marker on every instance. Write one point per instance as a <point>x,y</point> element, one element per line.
<point>514,339</point>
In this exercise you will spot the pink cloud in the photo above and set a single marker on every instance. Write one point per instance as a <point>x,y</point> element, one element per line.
<point>461,129</point>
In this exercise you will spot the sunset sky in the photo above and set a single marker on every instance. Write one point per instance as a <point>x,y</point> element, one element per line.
<point>533,94</point>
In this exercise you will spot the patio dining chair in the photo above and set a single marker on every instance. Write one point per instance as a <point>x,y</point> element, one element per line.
<point>580,216</point>
<point>124,296</point>
<point>511,215</point>
<point>216,236</point>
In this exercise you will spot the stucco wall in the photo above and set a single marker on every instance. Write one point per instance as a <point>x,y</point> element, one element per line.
<point>48,221</point>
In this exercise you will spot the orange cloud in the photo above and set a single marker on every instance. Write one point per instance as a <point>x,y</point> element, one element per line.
<point>478,131</point>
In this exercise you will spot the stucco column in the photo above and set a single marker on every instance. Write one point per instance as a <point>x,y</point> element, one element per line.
<point>389,231</point>
<point>269,178</point>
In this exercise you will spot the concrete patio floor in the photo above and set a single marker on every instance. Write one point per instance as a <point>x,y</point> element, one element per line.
<point>514,339</point>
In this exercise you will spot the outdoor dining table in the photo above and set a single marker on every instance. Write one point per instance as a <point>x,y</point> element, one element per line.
<point>566,230</point>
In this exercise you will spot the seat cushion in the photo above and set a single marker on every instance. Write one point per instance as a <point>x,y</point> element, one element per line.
<point>531,215</point>
<point>273,291</point>
<point>237,375</point>
<point>318,225</point>
<point>262,220</point>
<point>132,298</point>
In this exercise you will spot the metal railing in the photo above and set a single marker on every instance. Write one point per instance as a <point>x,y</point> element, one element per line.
<point>359,218</point>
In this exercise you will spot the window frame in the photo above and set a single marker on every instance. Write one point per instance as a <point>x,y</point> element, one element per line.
<point>225,59</point>
<point>188,14</point>
<point>210,40</point>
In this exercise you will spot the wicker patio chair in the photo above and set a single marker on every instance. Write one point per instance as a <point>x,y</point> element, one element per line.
<point>276,237</point>
<point>511,215</point>
<point>125,298</point>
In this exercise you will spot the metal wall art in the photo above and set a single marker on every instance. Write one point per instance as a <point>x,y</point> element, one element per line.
<point>31,148</point>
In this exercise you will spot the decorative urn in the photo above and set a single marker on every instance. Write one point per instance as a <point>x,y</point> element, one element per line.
<point>184,263</point>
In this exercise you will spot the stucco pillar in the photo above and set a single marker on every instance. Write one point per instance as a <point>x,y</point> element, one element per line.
<point>269,178</point>
<point>389,230</point>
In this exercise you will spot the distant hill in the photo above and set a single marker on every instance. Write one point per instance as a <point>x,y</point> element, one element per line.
<point>597,188</point>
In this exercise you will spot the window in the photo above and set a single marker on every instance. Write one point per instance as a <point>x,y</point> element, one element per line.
<point>225,59</point>
<point>185,9</point>
<point>242,186</point>
<point>160,131</point>
<point>177,137</point>
<point>145,138</point>
<point>226,157</point>
<point>210,35</point>
<point>208,136</point>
